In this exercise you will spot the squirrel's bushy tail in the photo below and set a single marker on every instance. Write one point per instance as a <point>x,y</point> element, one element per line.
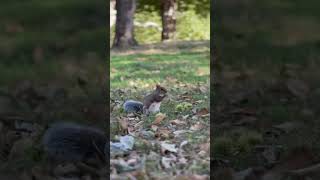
<point>131,106</point>
<point>71,142</point>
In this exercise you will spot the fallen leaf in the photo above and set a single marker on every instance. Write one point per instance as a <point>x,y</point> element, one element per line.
<point>182,160</point>
<point>118,148</point>
<point>202,112</point>
<point>166,162</point>
<point>180,132</point>
<point>183,143</point>
<point>163,133</point>
<point>177,122</point>
<point>185,117</point>
<point>196,127</point>
<point>159,118</point>
<point>205,147</point>
<point>203,89</point>
<point>123,123</point>
<point>154,127</point>
<point>168,147</point>
<point>297,88</point>
<point>192,177</point>
<point>147,134</point>
<point>202,153</point>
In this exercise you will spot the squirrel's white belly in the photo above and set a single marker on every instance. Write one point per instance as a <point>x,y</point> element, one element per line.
<point>154,107</point>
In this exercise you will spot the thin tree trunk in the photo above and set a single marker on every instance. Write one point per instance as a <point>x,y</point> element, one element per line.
<point>124,36</point>
<point>169,8</point>
<point>112,12</point>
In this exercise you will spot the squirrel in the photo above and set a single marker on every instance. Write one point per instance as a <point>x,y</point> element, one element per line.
<point>151,102</point>
<point>68,142</point>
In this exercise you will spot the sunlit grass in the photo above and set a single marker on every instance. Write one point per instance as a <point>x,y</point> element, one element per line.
<point>150,69</point>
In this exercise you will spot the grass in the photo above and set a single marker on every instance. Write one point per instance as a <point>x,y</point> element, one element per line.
<point>140,72</point>
<point>182,73</point>
<point>147,69</point>
<point>69,35</point>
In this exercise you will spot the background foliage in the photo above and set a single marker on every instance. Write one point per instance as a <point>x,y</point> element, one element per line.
<point>193,20</point>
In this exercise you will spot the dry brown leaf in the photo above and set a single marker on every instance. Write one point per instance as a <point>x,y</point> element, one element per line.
<point>163,133</point>
<point>205,147</point>
<point>159,118</point>
<point>203,111</point>
<point>154,127</point>
<point>196,127</point>
<point>177,122</point>
<point>123,122</point>
<point>192,177</point>
<point>203,89</point>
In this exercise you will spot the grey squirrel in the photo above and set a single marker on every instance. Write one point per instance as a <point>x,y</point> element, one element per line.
<point>151,102</point>
<point>72,142</point>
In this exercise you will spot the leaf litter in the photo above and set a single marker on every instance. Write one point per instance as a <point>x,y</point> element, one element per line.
<point>166,140</point>
<point>277,109</point>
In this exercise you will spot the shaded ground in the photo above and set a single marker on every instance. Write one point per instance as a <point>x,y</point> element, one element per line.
<point>184,122</point>
<point>267,85</point>
<point>52,69</point>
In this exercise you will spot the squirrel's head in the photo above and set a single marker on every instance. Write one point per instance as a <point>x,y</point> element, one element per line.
<point>161,91</point>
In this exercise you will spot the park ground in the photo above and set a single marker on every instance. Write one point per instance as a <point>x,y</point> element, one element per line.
<point>52,69</point>
<point>183,69</point>
<point>266,89</point>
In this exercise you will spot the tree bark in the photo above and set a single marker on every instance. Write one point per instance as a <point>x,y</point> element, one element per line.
<point>124,34</point>
<point>169,8</point>
<point>112,12</point>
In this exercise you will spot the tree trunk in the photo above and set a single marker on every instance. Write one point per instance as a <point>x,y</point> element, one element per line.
<point>169,8</point>
<point>112,12</point>
<point>124,36</point>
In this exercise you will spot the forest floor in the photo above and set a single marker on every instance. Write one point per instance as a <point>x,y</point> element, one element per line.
<point>267,90</point>
<point>174,143</point>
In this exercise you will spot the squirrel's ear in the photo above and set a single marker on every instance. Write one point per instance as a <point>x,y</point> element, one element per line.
<point>157,86</point>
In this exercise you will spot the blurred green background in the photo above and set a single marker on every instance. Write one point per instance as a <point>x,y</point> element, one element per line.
<point>193,21</point>
<point>38,38</point>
